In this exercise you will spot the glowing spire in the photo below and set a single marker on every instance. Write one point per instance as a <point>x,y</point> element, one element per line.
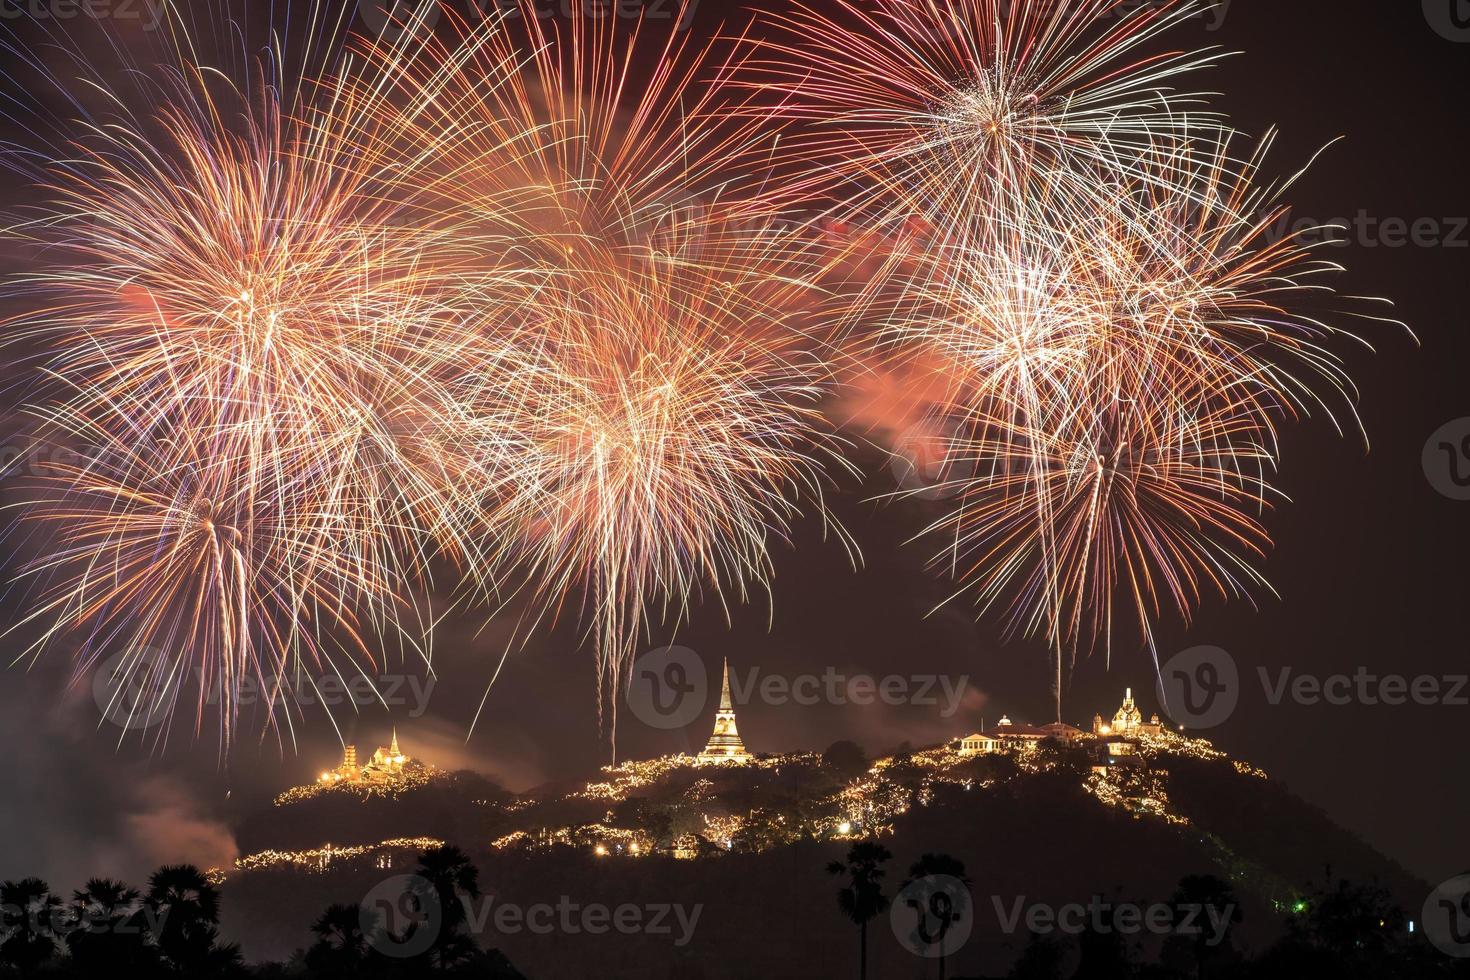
<point>725,703</point>
<point>725,744</point>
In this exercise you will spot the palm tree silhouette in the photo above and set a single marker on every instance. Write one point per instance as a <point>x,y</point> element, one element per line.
<point>449,873</point>
<point>108,929</point>
<point>1206,892</point>
<point>861,898</point>
<point>342,946</point>
<point>29,927</point>
<point>185,909</point>
<point>955,894</point>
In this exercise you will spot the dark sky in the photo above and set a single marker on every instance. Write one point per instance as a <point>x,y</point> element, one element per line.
<point>1369,559</point>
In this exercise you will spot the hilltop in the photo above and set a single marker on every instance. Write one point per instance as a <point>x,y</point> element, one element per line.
<point>1050,819</point>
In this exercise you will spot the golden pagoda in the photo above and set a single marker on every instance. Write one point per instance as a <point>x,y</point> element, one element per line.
<point>385,766</point>
<point>724,744</point>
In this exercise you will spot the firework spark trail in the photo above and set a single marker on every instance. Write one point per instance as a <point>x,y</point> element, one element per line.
<point>1094,279</point>
<point>1120,388</point>
<point>163,552</point>
<point>228,295</point>
<point>647,438</point>
<point>963,114</point>
<point>642,410</point>
<point>518,293</point>
<point>563,133</point>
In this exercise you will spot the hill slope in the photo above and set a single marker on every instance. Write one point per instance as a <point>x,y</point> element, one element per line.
<point>1052,825</point>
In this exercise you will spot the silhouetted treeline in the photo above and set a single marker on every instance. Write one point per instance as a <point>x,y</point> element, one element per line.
<point>170,928</point>
<point>1342,931</point>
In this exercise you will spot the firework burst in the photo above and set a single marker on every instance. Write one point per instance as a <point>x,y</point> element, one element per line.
<point>640,406</point>
<point>227,297</point>
<point>961,114</point>
<point>1115,394</point>
<point>647,436</point>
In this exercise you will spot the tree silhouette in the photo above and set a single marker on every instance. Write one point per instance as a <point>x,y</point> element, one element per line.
<point>109,929</point>
<point>1104,955</point>
<point>449,873</point>
<point>1042,959</point>
<point>846,759</point>
<point>341,947</point>
<point>1345,930</point>
<point>29,929</point>
<point>861,898</point>
<point>956,901</point>
<point>1208,903</point>
<point>185,915</point>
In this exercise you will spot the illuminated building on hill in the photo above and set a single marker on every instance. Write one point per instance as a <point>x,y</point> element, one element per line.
<point>724,744</point>
<point>1127,726</point>
<point>386,765</point>
<point>1005,736</point>
<point>1128,721</point>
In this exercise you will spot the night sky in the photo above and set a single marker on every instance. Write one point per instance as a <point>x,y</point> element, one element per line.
<point>1369,558</point>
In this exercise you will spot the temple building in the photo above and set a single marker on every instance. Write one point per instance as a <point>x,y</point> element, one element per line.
<point>1128,721</point>
<point>1063,732</point>
<point>979,744</point>
<point>1006,735</point>
<point>385,766</point>
<point>1117,738</point>
<point>724,744</point>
